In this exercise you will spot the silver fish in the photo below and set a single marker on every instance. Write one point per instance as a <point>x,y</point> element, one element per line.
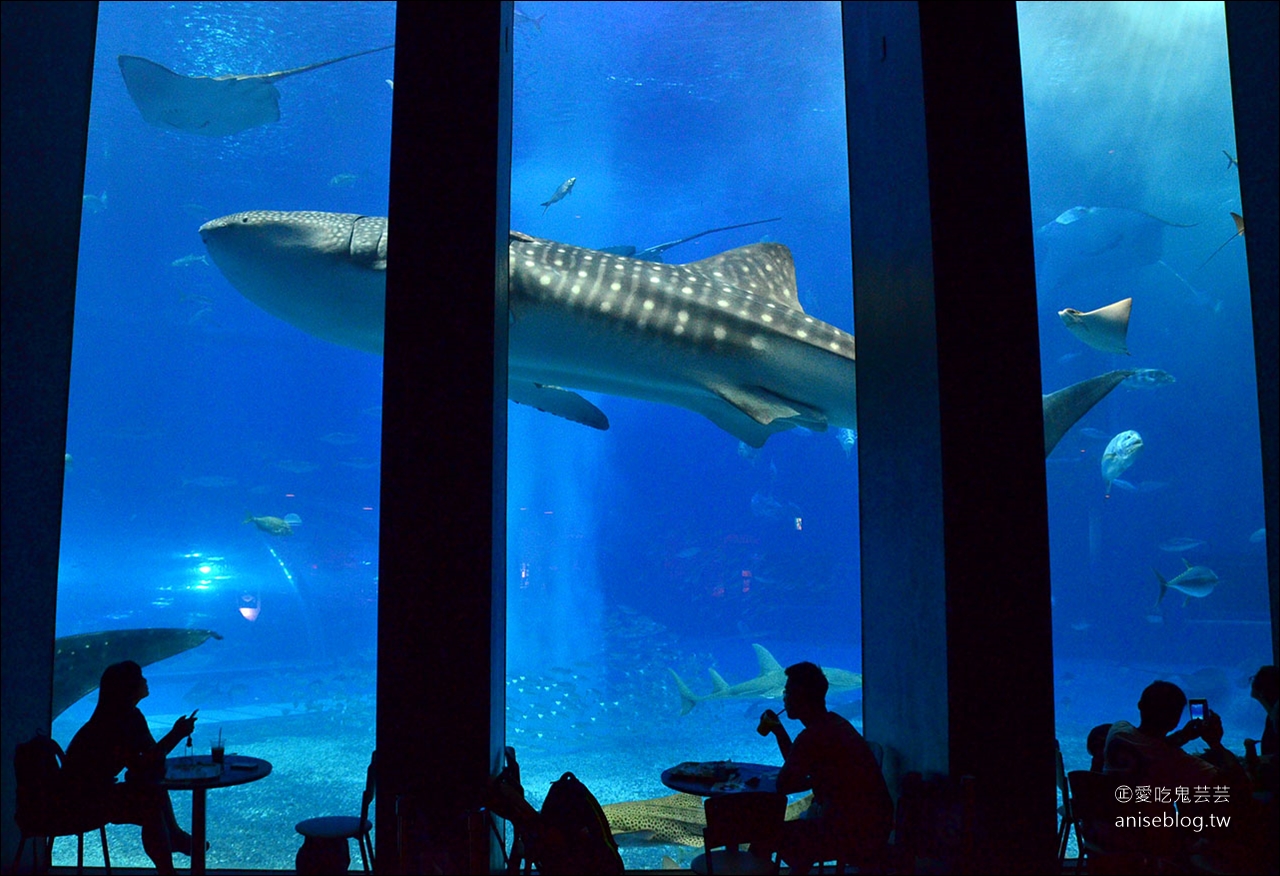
<point>565,188</point>
<point>1197,581</point>
<point>1148,378</point>
<point>1180,545</point>
<point>848,440</point>
<point>1121,453</point>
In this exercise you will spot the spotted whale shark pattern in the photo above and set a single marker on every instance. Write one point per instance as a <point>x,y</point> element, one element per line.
<point>725,337</point>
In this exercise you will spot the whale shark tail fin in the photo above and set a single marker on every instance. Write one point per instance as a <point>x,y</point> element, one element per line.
<point>1063,408</point>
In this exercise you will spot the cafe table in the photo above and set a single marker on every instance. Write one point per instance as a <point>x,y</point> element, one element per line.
<point>198,774</point>
<point>714,777</point>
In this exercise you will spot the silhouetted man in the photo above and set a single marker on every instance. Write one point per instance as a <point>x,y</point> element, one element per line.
<point>852,813</point>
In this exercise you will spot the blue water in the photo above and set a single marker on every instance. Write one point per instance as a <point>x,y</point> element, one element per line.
<point>1129,108</point>
<point>660,544</point>
<point>191,409</point>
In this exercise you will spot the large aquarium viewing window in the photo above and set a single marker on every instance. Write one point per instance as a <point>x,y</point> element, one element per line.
<point>660,572</point>
<point>1158,551</point>
<point>220,519</point>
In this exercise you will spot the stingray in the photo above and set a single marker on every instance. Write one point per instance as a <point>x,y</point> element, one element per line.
<point>215,106</point>
<point>1235,217</point>
<point>1103,329</point>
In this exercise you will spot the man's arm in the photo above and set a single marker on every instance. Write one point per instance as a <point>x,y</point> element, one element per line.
<point>794,775</point>
<point>1217,766</point>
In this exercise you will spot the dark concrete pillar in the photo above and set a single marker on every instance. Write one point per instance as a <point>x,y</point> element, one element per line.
<point>1252,44</point>
<point>999,643</point>
<point>899,465</point>
<point>443,537</point>
<point>47,60</point>
<point>957,648</point>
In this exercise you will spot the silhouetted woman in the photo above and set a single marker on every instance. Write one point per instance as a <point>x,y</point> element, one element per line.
<point>116,737</point>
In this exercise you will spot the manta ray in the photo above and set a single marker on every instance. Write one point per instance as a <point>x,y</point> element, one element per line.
<point>1084,242</point>
<point>1085,245</point>
<point>765,686</point>
<point>725,337</point>
<point>214,106</point>
<point>78,660</point>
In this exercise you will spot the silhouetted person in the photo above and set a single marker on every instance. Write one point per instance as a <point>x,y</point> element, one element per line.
<point>1151,756</point>
<point>851,810</point>
<point>1151,753</point>
<point>1097,743</point>
<point>1260,756</point>
<point>116,737</point>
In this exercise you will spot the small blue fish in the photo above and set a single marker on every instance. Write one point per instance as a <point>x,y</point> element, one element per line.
<point>1148,378</point>
<point>536,21</point>
<point>565,188</point>
<point>1181,545</point>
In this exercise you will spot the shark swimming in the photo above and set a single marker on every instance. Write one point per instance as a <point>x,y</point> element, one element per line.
<point>765,686</point>
<point>725,336</point>
<point>677,819</point>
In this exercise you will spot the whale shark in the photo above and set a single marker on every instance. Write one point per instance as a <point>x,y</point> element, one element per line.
<point>767,685</point>
<point>78,660</point>
<point>725,336</point>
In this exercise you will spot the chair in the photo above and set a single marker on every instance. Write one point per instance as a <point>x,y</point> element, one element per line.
<point>1108,849</point>
<point>325,849</point>
<point>45,808</point>
<point>753,817</point>
<point>1066,821</point>
<point>862,859</point>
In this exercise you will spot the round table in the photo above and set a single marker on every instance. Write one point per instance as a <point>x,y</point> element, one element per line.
<point>198,774</point>
<point>711,778</point>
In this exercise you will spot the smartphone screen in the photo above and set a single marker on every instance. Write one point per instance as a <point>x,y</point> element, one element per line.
<point>1198,709</point>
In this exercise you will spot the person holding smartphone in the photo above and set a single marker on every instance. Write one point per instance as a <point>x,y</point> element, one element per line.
<point>1151,753</point>
<point>1150,756</point>
<point>116,737</point>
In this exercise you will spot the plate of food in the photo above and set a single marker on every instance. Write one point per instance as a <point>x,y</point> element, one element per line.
<point>193,770</point>
<point>710,772</point>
